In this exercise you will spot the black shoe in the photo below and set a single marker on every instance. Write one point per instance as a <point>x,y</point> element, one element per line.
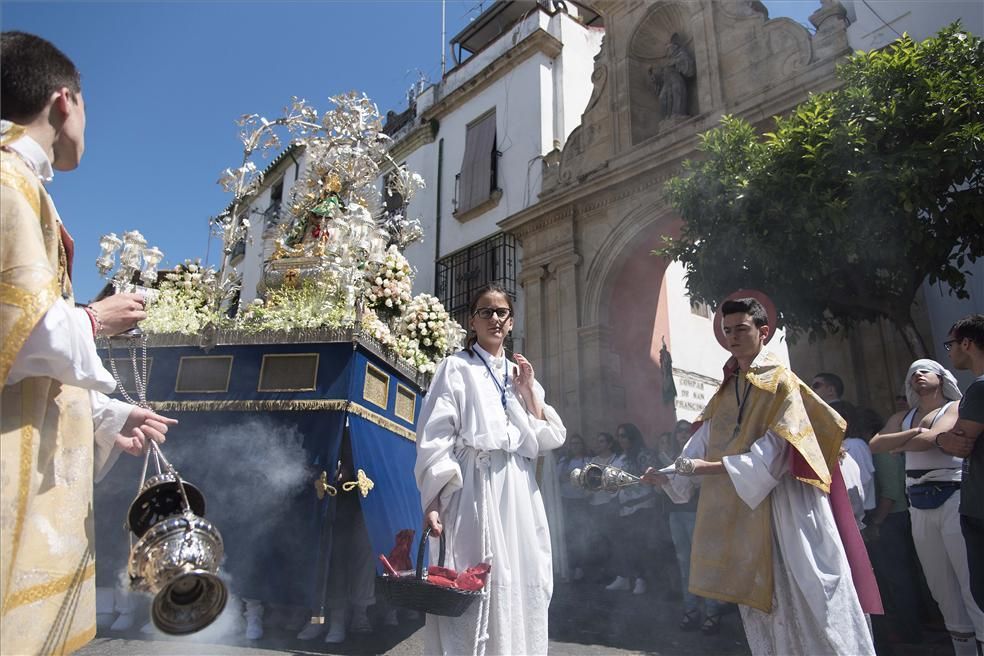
<point>690,620</point>
<point>712,624</point>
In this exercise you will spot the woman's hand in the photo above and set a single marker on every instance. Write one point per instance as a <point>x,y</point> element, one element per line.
<point>524,374</point>
<point>525,377</point>
<point>433,521</point>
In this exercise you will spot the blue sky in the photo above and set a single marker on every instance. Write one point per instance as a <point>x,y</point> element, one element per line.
<point>165,81</point>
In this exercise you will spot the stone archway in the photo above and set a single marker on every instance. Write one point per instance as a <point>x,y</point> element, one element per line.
<point>637,319</point>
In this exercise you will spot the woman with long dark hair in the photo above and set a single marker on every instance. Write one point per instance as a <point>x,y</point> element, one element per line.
<point>635,514</point>
<point>482,427</point>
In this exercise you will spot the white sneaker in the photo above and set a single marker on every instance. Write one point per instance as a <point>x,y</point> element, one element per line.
<point>620,584</point>
<point>640,587</point>
<point>311,631</point>
<point>148,628</point>
<point>123,623</point>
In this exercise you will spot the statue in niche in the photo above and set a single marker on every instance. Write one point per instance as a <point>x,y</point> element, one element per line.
<point>670,78</point>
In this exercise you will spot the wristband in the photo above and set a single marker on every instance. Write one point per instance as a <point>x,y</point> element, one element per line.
<point>97,325</point>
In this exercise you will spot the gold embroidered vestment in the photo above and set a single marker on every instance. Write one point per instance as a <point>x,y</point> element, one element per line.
<point>731,559</point>
<point>47,584</point>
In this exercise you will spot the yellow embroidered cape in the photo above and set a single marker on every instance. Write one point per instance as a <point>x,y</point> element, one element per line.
<point>731,559</point>
<point>47,585</point>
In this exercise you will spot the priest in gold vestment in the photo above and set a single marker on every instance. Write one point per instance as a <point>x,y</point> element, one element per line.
<point>56,425</point>
<point>766,536</point>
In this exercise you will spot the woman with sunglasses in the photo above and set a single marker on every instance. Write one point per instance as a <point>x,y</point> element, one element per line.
<point>482,427</point>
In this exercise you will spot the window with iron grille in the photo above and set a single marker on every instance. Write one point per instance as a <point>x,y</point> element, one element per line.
<point>460,274</point>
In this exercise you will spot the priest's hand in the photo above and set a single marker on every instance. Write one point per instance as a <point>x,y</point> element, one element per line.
<point>119,312</point>
<point>142,424</point>
<point>653,477</point>
<point>433,522</point>
<point>132,445</point>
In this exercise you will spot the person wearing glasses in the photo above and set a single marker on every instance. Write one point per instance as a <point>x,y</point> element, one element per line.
<point>965,346</point>
<point>933,482</point>
<point>829,387</point>
<point>483,424</point>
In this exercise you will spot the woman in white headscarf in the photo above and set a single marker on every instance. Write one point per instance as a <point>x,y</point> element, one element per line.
<point>933,486</point>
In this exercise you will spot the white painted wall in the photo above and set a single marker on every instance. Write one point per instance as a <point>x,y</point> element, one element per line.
<point>538,101</point>
<point>876,23</point>
<point>258,248</point>
<point>422,206</point>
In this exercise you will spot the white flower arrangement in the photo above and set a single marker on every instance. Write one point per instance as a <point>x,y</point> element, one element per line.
<point>188,299</point>
<point>389,284</point>
<point>312,304</point>
<point>378,329</point>
<point>429,330</point>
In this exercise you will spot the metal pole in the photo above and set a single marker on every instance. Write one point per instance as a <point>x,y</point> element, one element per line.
<point>443,46</point>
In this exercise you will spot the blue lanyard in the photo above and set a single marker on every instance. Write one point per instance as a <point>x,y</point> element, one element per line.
<point>500,386</point>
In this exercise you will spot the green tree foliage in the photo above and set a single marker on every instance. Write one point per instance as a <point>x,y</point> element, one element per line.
<point>856,198</point>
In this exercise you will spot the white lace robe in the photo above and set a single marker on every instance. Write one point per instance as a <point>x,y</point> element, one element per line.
<point>815,606</point>
<point>482,468</point>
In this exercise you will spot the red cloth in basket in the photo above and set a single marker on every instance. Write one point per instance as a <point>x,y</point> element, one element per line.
<point>399,557</point>
<point>472,578</point>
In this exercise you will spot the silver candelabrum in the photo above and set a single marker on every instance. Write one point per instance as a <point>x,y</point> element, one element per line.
<point>135,257</point>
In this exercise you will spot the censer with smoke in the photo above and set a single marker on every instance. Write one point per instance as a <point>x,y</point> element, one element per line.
<point>177,551</point>
<point>595,478</point>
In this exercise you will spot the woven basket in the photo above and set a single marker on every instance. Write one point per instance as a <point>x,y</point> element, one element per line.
<point>416,593</point>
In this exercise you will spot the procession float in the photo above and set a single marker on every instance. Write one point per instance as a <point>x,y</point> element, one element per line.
<point>331,358</point>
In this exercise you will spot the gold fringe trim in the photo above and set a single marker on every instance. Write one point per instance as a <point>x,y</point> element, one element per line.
<point>42,591</point>
<point>284,405</point>
<point>32,307</point>
<point>256,405</point>
<point>384,422</point>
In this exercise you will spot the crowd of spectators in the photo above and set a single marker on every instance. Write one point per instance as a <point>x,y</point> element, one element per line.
<point>636,541</point>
